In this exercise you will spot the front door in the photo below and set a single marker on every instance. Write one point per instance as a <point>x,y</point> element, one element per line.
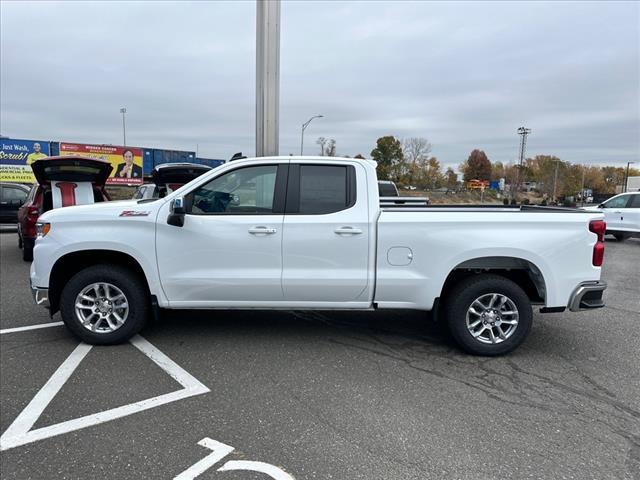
<point>613,210</point>
<point>326,234</point>
<point>229,251</point>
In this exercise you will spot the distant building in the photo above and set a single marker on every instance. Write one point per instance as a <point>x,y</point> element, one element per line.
<point>633,184</point>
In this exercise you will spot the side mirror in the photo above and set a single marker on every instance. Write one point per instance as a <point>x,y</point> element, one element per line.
<point>177,211</point>
<point>601,205</point>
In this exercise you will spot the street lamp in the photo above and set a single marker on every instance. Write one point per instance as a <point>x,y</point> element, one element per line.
<point>304,126</point>
<point>626,177</point>
<point>123,110</point>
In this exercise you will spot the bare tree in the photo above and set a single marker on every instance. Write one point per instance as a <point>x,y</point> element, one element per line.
<point>330,149</point>
<point>322,142</point>
<point>415,154</point>
<point>416,149</point>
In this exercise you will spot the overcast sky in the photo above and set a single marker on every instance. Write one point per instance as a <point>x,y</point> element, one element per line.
<point>464,75</point>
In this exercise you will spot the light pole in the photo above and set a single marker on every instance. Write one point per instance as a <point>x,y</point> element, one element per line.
<point>123,110</point>
<point>304,127</point>
<point>626,177</point>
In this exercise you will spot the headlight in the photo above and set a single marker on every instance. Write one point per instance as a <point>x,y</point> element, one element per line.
<point>42,229</point>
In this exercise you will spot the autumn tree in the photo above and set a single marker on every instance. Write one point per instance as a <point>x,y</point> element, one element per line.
<point>388,153</point>
<point>427,173</point>
<point>476,167</point>
<point>450,179</point>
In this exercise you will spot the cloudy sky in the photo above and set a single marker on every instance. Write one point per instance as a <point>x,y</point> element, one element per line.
<point>464,75</point>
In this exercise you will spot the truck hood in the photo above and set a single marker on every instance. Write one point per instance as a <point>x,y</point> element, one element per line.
<point>103,210</point>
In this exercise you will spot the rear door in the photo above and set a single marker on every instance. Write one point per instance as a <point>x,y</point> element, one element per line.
<point>326,238</point>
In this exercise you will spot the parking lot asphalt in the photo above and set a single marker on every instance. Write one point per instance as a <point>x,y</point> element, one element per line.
<point>375,395</point>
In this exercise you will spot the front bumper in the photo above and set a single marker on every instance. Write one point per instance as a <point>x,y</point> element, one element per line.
<point>588,295</point>
<point>40,296</point>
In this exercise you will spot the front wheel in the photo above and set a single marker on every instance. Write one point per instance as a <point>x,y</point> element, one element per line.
<point>104,305</point>
<point>488,314</point>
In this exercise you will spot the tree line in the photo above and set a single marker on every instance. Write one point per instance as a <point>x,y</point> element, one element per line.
<point>408,162</point>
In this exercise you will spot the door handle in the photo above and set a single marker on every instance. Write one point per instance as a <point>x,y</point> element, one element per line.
<point>262,230</point>
<point>348,231</point>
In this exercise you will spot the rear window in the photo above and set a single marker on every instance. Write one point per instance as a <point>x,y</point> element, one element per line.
<point>325,189</point>
<point>53,170</point>
<point>387,190</point>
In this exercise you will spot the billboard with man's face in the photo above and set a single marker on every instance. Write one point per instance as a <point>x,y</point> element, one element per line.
<point>126,161</point>
<point>16,157</point>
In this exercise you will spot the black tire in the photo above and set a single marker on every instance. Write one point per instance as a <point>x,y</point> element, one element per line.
<point>19,241</point>
<point>620,237</point>
<point>462,296</point>
<point>130,285</point>
<point>27,253</point>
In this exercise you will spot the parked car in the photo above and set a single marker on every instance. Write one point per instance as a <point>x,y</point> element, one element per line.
<point>300,232</point>
<point>12,196</point>
<point>60,182</point>
<point>389,196</point>
<point>168,177</point>
<point>622,214</point>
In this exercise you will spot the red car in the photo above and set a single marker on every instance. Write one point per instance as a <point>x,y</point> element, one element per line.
<point>60,182</point>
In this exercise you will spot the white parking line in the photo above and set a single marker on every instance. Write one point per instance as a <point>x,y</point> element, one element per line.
<point>221,450</point>
<point>30,327</point>
<point>261,467</point>
<point>19,432</point>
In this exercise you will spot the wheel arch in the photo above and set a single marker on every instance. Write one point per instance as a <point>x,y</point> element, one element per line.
<point>519,270</point>
<point>68,265</point>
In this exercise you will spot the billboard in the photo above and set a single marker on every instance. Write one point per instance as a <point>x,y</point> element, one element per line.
<point>126,161</point>
<point>16,157</point>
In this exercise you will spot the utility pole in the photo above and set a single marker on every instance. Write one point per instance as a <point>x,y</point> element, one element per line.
<point>267,77</point>
<point>123,110</point>
<point>555,181</point>
<point>523,132</point>
<point>304,127</point>
<point>582,189</point>
<point>626,177</point>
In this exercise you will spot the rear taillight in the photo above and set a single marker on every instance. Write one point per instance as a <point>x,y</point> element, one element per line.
<point>30,225</point>
<point>33,213</point>
<point>599,227</point>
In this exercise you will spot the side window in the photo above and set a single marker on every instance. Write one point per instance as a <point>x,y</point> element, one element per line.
<point>635,201</point>
<point>324,189</point>
<point>139,193</point>
<point>14,195</point>
<point>249,190</point>
<point>618,202</point>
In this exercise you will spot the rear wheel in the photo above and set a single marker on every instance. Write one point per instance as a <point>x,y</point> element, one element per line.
<point>104,305</point>
<point>488,314</point>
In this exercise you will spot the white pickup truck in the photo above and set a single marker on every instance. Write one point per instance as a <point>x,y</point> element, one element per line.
<point>309,233</point>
